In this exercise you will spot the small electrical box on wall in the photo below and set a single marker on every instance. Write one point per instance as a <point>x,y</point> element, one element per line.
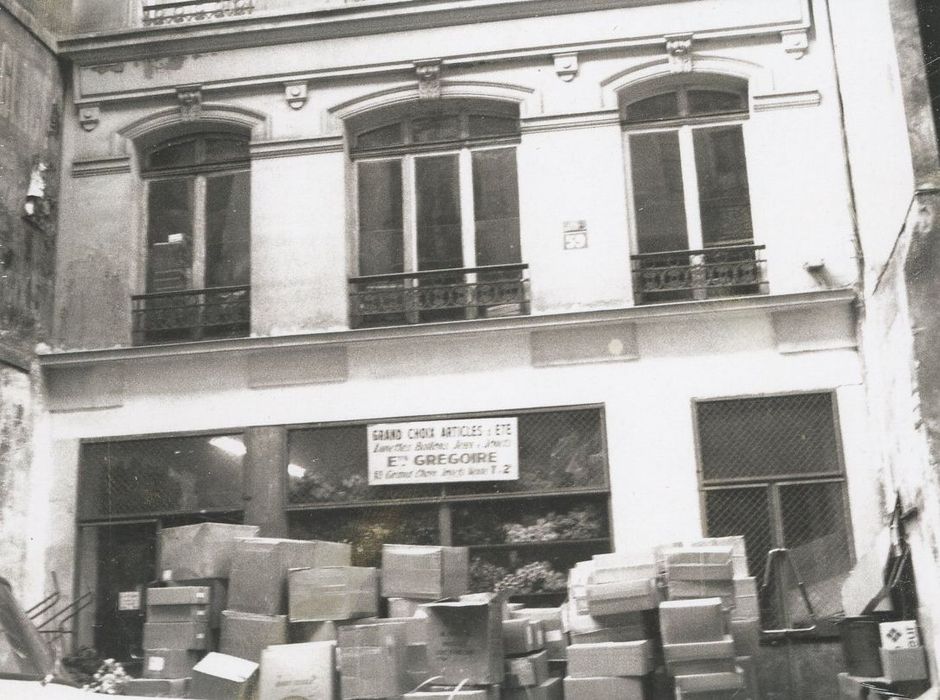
<point>575,234</point>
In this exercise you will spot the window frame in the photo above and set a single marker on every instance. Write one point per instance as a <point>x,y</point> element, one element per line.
<point>773,484</point>
<point>197,173</point>
<point>684,127</point>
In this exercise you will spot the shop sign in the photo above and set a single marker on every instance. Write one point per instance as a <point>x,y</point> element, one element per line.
<point>441,451</point>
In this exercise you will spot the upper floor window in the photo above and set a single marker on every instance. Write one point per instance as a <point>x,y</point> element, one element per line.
<point>198,210</point>
<point>437,189</point>
<point>688,169</point>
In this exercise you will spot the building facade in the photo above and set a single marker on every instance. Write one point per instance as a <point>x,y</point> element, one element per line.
<point>298,239</point>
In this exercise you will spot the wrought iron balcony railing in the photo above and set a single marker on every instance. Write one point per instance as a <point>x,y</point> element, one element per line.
<point>439,295</point>
<point>192,314</point>
<point>722,271</point>
<point>162,12</point>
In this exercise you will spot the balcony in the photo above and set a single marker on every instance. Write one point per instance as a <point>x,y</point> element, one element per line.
<point>681,275</point>
<point>439,295</point>
<point>190,315</point>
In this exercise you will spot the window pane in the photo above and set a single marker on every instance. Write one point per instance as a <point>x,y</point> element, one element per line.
<point>174,155</point>
<point>380,218</point>
<point>383,136</point>
<point>439,128</point>
<point>489,125</point>
<point>438,194</point>
<point>815,532</point>
<point>496,206</point>
<point>742,511</point>
<point>771,436</point>
<point>224,150</point>
<point>722,184</point>
<point>658,192</point>
<point>652,108</point>
<point>702,102</point>
<point>185,474</point>
<point>169,234</point>
<point>228,238</point>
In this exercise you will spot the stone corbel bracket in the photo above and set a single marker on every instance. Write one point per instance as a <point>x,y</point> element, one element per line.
<point>795,42</point>
<point>89,116</point>
<point>190,101</point>
<point>429,78</point>
<point>679,48</point>
<point>566,66</point>
<point>295,92</point>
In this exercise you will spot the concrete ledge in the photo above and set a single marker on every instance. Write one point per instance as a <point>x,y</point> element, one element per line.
<point>82,388</point>
<point>615,342</point>
<point>296,366</point>
<point>807,330</point>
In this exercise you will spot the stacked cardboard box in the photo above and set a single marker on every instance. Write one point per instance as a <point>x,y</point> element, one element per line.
<point>224,677</point>
<point>177,632</point>
<point>291,671</point>
<point>617,668</point>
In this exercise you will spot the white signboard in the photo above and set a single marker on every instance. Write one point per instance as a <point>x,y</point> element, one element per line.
<point>438,451</point>
<point>128,600</point>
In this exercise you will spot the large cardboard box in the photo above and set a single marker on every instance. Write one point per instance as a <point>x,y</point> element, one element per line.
<point>258,582</point>
<point>684,590</point>
<point>300,632</point>
<point>170,663</point>
<point>176,635</point>
<point>619,687</point>
<point>550,689</point>
<point>556,642</point>
<point>198,614</point>
<point>610,659</point>
<point>403,607</point>
<point>332,593</point>
<point>157,687</point>
<point>709,682</point>
<point>906,664</point>
<point>623,596</point>
<point>526,671</point>
<point>199,551</point>
<point>721,649</point>
<point>178,595</point>
<point>738,550</point>
<point>616,569</point>
<point>465,641</point>
<point>372,659</point>
<point>424,572</point>
<point>291,671</point>
<point>699,564</point>
<point>218,596</point>
<point>687,621</point>
<point>746,634</point>
<point>522,636</point>
<point>246,635</point>
<point>223,677</point>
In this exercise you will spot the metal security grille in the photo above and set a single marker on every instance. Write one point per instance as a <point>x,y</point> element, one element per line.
<point>771,470</point>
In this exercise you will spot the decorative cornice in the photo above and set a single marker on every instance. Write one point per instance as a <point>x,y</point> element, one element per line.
<point>285,148</point>
<point>679,311</point>
<point>92,167</point>
<point>565,122</point>
<point>783,100</point>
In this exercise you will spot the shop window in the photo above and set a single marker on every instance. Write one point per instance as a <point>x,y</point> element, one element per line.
<point>437,190</point>
<point>771,470</point>
<point>523,533</point>
<point>691,201</point>
<point>198,239</point>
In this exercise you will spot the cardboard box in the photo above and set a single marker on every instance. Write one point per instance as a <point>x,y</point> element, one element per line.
<point>199,551</point>
<point>685,590</point>
<point>526,671</point>
<point>687,621</point>
<point>899,635</point>
<point>738,550</point>
<point>746,634</point>
<point>403,607</point>
<point>699,564</point>
<point>424,572</point>
<point>170,663</point>
<point>246,635</point>
<point>179,613</point>
<point>610,659</point>
<point>223,677</point>
<point>300,632</point>
<point>176,635</point>
<point>621,597</point>
<point>157,687</point>
<point>579,576</point>
<point>550,689</point>
<point>616,571</point>
<point>709,682</point>
<point>696,667</point>
<point>907,664</point>
<point>723,649</point>
<point>372,660</point>
<point>258,583</point>
<point>619,687</point>
<point>332,593</point>
<point>748,666</point>
<point>851,688</point>
<point>465,641</point>
<point>218,596</point>
<point>291,671</point>
<point>556,642</point>
<point>577,623</point>
<point>522,636</point>
<point>178,595</point>
<point>446,693</point>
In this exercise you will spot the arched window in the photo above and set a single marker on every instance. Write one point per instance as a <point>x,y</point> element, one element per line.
<point>198,212</point>
<point>198,258</point>
<point>437,189</point>
<point>688,171</point>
